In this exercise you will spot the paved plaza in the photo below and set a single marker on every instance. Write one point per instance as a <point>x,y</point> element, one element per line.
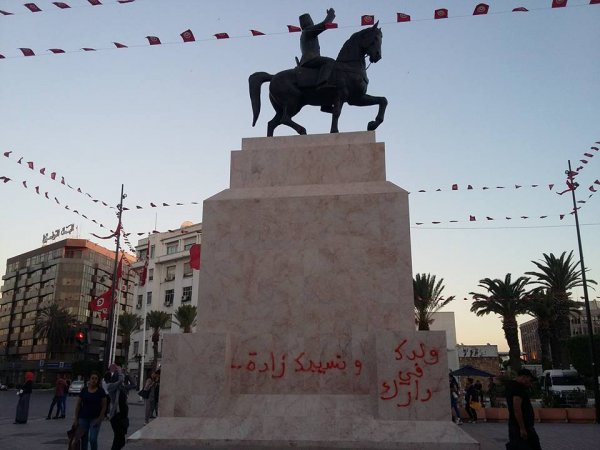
<point>43,434</point>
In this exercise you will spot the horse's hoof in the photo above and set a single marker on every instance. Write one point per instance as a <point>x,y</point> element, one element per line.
<point>372,125</point>
<point>302,131</point>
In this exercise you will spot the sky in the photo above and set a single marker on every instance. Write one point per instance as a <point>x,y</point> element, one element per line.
<point>502,99</point>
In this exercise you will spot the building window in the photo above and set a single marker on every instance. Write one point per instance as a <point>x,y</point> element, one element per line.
<point>136,348</point>
<point>146,347</point>
<point>187,270</point>
<point>172,247</point>
<point>142,254</point>
<point>169,296</point>
<point>148,298</point>
<point>187,294</point>
<point>152,251</point>
<point>170,273</point>
<point>187,243</point>
<point>140,300</point>
<point>150,274</point>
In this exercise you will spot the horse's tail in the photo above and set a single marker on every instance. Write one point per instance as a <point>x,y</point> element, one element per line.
<point>255,81</point>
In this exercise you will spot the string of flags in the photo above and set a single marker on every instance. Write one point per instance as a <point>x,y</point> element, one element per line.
<point>187,36</point>
<point>32,7</point>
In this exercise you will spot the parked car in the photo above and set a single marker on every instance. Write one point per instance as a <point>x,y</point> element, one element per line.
<point>76,387</point>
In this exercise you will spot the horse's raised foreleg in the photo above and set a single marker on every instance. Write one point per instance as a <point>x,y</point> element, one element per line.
<point>287,120</point>
<point>335,115</point>
<point>369,100</point>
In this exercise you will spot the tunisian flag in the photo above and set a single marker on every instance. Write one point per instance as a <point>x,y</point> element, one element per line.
<point>195,251</point>
<point>101,303</point>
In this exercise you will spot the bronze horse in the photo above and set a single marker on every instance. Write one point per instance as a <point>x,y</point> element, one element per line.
<point>348,85</point>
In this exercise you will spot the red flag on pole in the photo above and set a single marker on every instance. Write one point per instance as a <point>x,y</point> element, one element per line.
<point>257,33</point>
<point>95,2</point>
<point>559,3</point>
<point>589,155</point>
<point>30,164</point>
<point>153,40</point>
<point>455,187</point>
<point>293,29</point>
<point>119,45</point>
<point>441,13</point>
<point>56,50</point>
<point>61,5</point>
<point>32,7</point>
<point>594,2</point>
<point>367,19</point>
<point>472,219</point>
<point>195,251</point>
<point>222,36</point>
<point>330,25</point>
<point>7,154</point>
<point>53,175</point>
<point>27,51</point>
<point>401,17</point>
<point>520,9</point>
<point>481,9</point>
<point>188,36</point>
<point>43,171</point>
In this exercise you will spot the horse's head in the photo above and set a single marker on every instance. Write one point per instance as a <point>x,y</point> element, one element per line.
<point>371,42</point>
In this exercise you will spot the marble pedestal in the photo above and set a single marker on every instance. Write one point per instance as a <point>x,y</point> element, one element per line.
<point>306,326</point>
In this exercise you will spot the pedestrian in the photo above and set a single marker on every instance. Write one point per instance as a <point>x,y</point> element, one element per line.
<point>454,400</point>
<point>479,389</point>
<point>150,388</point>
<point>59,392</point>
<point>470,398</point>
<point>118,387</point>
<point>156,392</point>
<point>521,431</point>
<point>492,392</point>
<point>24,394</point>
<point>64,398</point>
<point>90,411</point>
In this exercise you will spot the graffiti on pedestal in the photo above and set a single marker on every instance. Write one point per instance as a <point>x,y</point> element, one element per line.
<point>407,387</point>
<point>275,365</point>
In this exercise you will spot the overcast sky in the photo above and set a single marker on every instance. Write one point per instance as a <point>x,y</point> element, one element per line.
<point>503,99</point>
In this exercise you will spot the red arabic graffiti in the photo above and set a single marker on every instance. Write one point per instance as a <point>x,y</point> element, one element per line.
<point>406,385</point>
<point>276,367</point>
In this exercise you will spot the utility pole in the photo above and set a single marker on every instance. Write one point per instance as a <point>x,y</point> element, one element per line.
<point>108,356</point>
<point>587,301</point>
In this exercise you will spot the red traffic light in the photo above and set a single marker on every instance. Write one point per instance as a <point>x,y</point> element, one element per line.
<point>80,335</point>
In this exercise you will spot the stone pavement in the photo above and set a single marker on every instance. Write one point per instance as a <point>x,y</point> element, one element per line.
<point>41,434</point>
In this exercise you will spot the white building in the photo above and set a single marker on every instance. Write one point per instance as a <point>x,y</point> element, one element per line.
<point>170,282</point>
<point>445,321</point>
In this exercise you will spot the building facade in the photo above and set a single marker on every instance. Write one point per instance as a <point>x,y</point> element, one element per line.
<point>530,340</point>
<point>170,283</point>
<point>444,321</point>
<point>68,273</point>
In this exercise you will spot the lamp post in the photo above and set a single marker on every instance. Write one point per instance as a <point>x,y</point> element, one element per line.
<point>588,313</point>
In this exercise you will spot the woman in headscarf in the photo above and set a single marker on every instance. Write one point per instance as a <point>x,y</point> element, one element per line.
<point>24,394</point>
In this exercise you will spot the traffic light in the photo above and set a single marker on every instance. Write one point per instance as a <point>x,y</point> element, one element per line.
<point>80,340</point>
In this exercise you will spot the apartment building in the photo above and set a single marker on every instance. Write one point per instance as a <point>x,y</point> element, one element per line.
<point>171,282</point>
<point>69,273</point>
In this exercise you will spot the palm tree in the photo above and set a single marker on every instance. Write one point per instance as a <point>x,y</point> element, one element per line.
<point>541,305</point>
<point>505,298</point>
<point>128,324</point>
<point>53,323</point>
<point>157,320</point>
<point>185,317</point>
<point>428,299</point>
<point>559,276</point>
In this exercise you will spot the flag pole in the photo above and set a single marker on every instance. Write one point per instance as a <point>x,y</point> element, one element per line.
<point>588,313</point>
<point>108,356</point>
<point>145,300</point>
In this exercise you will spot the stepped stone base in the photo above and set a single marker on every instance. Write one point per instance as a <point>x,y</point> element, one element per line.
<point>306,334</point>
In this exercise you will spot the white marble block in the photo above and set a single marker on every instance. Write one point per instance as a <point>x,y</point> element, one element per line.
<point>306,324</point>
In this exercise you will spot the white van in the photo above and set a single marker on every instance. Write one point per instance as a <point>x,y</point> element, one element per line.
<point>566,386</point>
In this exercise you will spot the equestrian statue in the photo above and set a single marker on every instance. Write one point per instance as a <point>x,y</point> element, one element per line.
<point>320,81</point>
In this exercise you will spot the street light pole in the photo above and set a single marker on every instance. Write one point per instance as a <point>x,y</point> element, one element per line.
<point>588,313</point>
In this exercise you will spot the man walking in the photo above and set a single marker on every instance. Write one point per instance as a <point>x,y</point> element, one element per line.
<point>59,394</point>
<point>521,433</point>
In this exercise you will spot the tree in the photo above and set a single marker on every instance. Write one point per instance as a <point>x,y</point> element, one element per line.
<point>53,323</point>
<point>428,299</point>
<point>541,305</point>
<point>185,317</point>
<point>559,276</point>
<point>157,320</point>
<point>128,324</point>
<point>505,298</point>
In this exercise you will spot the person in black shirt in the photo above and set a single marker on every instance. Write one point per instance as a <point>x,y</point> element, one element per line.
<point>470,397</point>
<point>521,432</point>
